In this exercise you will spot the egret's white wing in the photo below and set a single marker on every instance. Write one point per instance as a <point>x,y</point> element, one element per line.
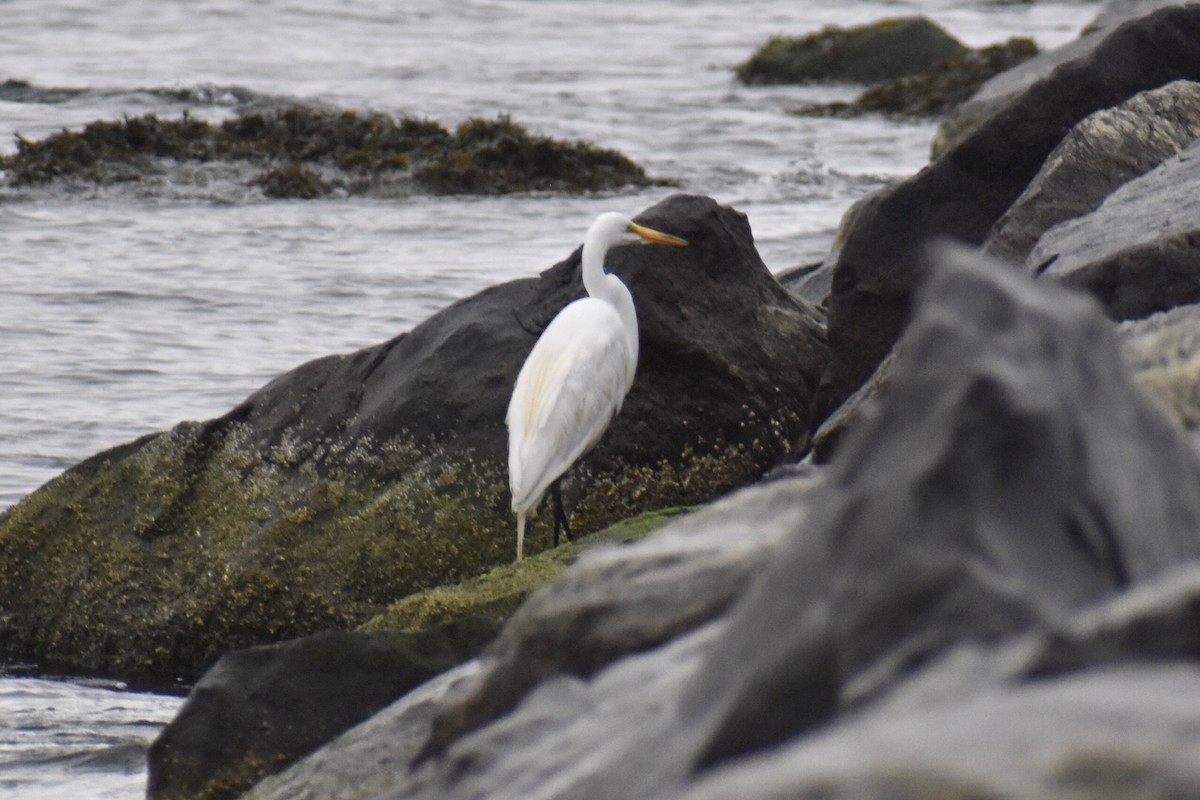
<point>569,389</point>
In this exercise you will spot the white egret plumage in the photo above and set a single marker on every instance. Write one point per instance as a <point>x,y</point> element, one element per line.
<point>577,375</point>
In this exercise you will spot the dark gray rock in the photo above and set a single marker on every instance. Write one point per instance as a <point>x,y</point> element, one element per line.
<point>1138,251</point>
<point>995,93</point>
<point>965,191</point>
<point>974,600</point>
<point>1100,154</point>
<point>260,709</point>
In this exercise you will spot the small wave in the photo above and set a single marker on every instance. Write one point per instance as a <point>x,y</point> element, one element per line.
<point>204,94</point>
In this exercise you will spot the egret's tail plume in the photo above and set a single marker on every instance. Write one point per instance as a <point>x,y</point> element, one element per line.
<point>520,535</point>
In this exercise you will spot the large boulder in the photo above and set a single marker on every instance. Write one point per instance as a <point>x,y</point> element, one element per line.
<point>356,479</point>
<point>1137,252</point>
<point>1100,154</point>
<point>991,592</point>
<point>965,191</point>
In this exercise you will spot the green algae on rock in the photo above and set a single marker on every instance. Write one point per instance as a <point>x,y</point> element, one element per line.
<point>496,594</point>
<point>305,152</point>
<point>889,48</point>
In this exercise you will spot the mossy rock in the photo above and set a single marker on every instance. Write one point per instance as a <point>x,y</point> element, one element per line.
<point>303,152</point>
<point>934,92</point>
<point>356,480</point>
<point>496,594</point>
<point>889,48</point>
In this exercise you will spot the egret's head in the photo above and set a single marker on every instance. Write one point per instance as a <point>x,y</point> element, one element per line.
<point>612,229</point>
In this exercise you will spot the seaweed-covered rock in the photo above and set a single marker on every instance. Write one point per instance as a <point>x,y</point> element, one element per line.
<point>889,48</point>
<point>357,479</point>
<point>1104,151</point>
<point>304,152</point>
<point>1137,252</point>
<point>933,91</point>
<point>964,192</point>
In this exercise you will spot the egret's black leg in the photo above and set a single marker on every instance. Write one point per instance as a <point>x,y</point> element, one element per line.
<point>560,516</point>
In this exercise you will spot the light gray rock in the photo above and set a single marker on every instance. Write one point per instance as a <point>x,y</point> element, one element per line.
<point>620,601</point>
<point>1163,351</point>
<point>988,494</point>
<point>1101,153</point>
<point>1137,252</point>
<point>1124,732</point>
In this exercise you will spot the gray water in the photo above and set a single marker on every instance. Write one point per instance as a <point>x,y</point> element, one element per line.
<point>128,309</point>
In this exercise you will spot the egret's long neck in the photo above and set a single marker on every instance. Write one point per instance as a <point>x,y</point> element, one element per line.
<point>609,288</point>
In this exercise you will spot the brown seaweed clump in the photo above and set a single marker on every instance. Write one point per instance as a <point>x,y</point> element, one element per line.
<point>303,152</point>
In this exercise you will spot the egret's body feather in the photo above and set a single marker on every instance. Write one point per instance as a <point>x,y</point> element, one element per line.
<point>569,390</point>
<point>577,375</point>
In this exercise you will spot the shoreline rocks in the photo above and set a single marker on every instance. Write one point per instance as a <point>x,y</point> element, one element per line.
<point>974,582</point>
<point>990,590</point>
<point>965,191</point>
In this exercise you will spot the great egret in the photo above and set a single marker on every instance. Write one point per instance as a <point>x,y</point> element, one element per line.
<point>575,379</point>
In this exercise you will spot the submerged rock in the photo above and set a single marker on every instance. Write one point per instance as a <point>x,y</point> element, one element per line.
<point>976,598</point>
<point>933,91</point>
<point>965,191</point>
<point>355,480</point>
<point>303,152</point>
<point>889,48</point>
